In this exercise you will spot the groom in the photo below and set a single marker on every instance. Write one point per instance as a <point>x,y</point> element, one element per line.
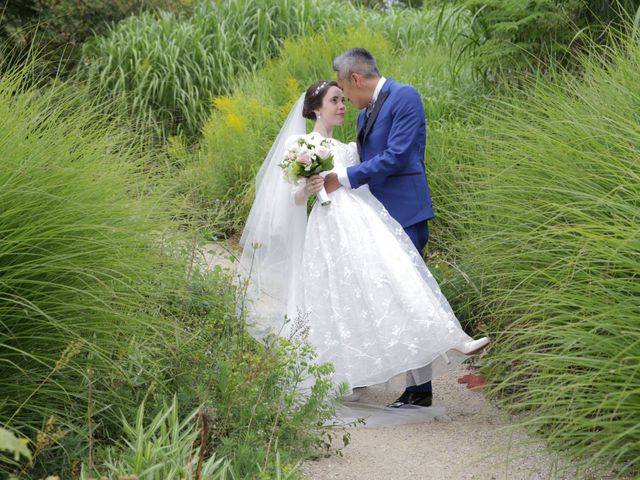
<point>391,145</point>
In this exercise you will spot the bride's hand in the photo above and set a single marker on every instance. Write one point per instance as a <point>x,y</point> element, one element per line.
<point>313,185</point>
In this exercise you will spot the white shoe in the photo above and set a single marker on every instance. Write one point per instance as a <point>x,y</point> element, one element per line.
<point>473,346</point>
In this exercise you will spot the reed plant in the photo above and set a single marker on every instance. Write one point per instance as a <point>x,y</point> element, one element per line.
<point>58,29</point>
<point>169,67</point>
<point>81,236</point>
<point>539,243</point>
<point>411,28</point>
<point>263,404</point>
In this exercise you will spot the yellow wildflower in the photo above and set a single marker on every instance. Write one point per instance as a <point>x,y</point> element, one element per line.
<point>71,351</point>
<point>293,84</point>
<point>235,122</point>
<point>223,103</point>
<point>49,436</point>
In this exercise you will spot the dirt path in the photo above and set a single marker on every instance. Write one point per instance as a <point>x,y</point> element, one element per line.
<point>472,440</point>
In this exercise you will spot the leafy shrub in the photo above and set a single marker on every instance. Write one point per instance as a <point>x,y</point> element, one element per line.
<point>251,394</point>
<point>16,446</point>
<point>57,28</point>
<point>542,252</point>
<point>510,36</point>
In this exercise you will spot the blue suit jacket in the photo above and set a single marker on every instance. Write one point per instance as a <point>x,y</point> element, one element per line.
<point>391,152</point>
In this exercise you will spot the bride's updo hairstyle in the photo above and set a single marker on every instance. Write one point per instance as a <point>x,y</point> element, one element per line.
<point>314,96</point>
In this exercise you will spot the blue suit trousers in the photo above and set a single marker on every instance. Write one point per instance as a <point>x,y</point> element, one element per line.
<point>419,235</point>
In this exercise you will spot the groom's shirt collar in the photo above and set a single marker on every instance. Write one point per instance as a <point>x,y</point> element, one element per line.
<point>376,92</point>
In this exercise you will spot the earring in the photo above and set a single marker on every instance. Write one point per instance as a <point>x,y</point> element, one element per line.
<point>318,116</point>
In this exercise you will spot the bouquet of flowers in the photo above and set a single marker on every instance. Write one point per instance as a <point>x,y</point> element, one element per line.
<point>307,157</point>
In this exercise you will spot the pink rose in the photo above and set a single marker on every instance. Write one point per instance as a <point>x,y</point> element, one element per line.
<point>304,158</point>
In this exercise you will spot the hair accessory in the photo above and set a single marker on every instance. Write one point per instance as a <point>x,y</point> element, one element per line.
<point>320,87</point>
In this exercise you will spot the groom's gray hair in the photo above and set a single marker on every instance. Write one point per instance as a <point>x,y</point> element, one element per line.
<point>356,60</point>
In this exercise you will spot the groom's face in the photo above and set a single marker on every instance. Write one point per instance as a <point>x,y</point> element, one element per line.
<point>354,89</point>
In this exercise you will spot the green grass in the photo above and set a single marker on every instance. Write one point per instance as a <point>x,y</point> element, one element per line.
<point>80,242</point>
<point>102,309</point>
<point>537,244</point>
<point>169,67</point>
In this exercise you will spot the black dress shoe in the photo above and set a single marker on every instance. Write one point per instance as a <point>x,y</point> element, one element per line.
<point>420,399</point>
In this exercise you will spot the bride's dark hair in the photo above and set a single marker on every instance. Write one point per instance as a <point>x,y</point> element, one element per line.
<point>314,96</point>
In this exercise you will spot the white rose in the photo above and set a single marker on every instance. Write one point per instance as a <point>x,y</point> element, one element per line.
<point>314,139</point>
<point>323,152</point>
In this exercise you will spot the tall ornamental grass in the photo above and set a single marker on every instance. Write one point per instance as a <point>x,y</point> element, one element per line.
<point>243,125</point>
<point>79,239</point>
<point>411,28</point>
<point>541,230</point>
<point>169,67</point>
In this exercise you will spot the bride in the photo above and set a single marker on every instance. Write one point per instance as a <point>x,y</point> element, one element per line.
<point>347,278</point>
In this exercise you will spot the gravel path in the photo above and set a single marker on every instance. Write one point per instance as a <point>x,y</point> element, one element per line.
<point>472,440</point>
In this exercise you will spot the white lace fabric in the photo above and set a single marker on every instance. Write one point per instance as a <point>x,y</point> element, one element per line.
<point>363,294</point>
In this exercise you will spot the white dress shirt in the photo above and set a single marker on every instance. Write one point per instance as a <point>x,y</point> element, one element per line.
<point>341,172</point>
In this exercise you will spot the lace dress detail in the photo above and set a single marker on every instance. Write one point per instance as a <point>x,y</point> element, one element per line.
<point>367,300</point>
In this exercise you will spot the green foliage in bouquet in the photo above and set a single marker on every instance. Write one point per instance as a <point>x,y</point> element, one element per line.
<point>306,158</point>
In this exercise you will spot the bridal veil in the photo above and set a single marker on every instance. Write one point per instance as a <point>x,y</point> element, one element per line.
<point>272,240</point>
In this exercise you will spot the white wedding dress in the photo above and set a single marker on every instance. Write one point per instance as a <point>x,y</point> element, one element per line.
<point>364,294</point>
<point>347,278</point>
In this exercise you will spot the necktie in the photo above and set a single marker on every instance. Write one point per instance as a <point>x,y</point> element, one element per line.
<point>367,112</point>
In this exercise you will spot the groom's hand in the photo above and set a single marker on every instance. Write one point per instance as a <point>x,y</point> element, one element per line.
<point>331,183</point>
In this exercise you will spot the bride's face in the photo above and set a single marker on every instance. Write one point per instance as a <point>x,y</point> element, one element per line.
<point>332,109</point>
